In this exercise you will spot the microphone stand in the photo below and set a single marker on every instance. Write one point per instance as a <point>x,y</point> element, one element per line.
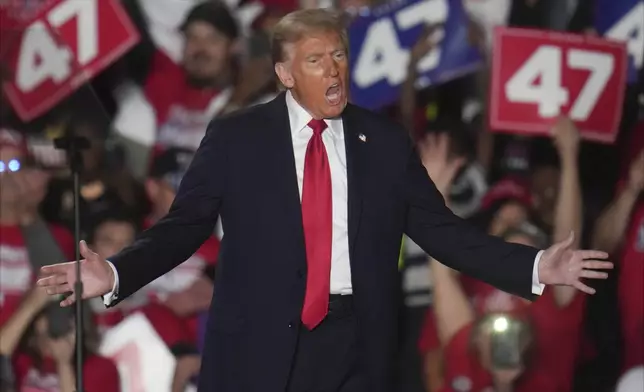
<point>74,145</point>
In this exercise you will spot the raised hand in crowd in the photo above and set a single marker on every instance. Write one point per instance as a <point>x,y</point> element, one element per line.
<point>567,215</point>
<point>441,165</point>
<point>566,138</point>
<point>476,35</point>
<point>12,330</point>
<point>96,274</point>
<point>636,175</point>
<point>611,225</point>
<point>256,76</point>
<point>424,44</point>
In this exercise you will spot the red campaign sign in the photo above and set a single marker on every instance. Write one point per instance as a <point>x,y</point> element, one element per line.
<point>60,46</point>
<point>538,75</point>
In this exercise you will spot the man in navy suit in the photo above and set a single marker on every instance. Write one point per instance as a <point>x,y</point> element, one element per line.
<point>314,195</point>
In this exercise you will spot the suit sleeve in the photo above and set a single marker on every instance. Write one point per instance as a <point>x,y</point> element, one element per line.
<point>189,223</point>
<point>456,243</point>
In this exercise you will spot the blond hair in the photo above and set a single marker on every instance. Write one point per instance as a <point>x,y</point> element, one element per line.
<point>296,25</point>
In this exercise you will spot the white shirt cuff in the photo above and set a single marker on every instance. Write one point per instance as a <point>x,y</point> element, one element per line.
<point>112,295</point>
<point>537,286</point>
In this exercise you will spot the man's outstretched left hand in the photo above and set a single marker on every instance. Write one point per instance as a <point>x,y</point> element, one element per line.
<point>562,265</point>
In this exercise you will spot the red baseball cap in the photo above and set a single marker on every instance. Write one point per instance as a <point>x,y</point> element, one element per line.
<point>513,188</point>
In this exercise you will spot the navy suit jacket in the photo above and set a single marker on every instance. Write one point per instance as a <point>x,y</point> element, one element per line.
<point>244,172</point>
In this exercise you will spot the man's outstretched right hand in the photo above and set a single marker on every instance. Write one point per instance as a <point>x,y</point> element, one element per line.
<point>96,274</point>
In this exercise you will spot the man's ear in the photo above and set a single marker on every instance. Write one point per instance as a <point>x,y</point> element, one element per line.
<point>283,71</point>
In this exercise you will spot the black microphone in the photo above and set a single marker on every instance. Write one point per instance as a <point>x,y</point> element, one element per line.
<point>74,145</point>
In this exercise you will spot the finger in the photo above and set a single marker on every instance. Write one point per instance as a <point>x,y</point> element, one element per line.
<point>430,140</point>
<point>582,287</point>
<point>588,274</point>
<point>68,301</point>
<point>453,168</point>
<point>459,163</point>
<point>55,269</point>
<point>59,289</point>
<point>429,29</point>
<point>53,280</point>
<point>597,265</point>
<point>593,254</point>
<point>443,140</point>
<point>423,143</point>
<point>86,252</point>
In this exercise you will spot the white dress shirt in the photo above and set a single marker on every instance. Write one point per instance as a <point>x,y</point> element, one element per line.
<point>333,139</point>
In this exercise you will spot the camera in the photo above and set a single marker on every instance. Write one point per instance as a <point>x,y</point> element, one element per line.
<point>507,341</point>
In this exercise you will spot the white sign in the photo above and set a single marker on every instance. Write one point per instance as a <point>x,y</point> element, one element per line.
<point>144,362</point>
<point>631,29</point>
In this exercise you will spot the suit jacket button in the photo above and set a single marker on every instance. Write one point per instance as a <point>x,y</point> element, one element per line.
<point>300,273</point>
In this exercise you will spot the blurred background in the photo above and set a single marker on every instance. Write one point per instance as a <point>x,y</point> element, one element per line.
<point>541,103</point>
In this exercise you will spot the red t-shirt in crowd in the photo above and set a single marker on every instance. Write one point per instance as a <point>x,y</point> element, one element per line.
<point>428,339</point>
<point>17,275</point>
<point>182,112</point>
<point>100,375</point>
<point>558,331</point>
<point>630,290</point>
<point>464,373</point>
<point>484,298</point>
<point>558,334</point>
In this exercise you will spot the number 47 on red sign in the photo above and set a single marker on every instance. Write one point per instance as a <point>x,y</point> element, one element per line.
<point>539,75</point>
<point>550,95</point>
<point>41,57</point>
<point>67,43</point>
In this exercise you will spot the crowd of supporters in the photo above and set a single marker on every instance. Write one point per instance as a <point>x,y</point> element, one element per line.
<point>145,116</point>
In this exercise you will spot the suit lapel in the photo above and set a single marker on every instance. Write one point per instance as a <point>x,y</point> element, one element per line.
<point>282,145</point>
<point>355,145</point>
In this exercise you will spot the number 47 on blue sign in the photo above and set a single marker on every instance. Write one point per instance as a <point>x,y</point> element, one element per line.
<point>381,42</point>
<point>623,20</point>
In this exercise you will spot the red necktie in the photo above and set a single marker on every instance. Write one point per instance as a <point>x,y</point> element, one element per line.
<point>316,219</point>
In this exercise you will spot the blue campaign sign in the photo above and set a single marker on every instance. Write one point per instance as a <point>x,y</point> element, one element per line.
<point>623,20</point>
<point>380,41</point>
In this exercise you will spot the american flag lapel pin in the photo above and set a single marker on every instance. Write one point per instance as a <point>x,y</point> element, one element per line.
<point>362,137</point>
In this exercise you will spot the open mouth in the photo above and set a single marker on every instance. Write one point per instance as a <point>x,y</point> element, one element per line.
<point>334,94</point>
